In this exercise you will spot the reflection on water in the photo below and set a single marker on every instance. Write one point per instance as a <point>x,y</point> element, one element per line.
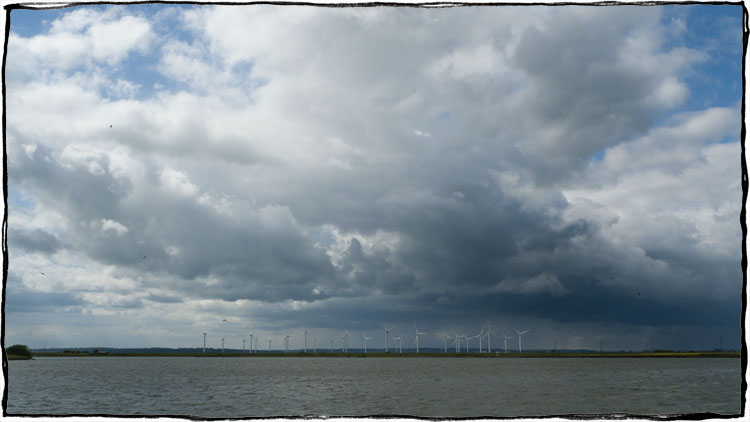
<point>451,387</point>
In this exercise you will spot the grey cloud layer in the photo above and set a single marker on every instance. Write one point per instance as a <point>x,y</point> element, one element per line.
<point>425,158</point>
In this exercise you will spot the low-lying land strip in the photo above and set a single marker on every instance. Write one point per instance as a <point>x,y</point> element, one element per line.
<point>664,354</point>
<point>18,357</point>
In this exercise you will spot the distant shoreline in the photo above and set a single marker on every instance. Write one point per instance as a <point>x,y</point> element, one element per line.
<point>509,355</point>
<point>18,357</point>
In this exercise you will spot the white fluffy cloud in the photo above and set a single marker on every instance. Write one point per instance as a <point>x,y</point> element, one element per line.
<point>85,37</point>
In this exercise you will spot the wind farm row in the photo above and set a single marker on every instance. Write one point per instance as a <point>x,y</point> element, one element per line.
<point>453,342</point>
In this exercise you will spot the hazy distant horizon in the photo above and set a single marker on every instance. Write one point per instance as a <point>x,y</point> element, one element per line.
<point>175,170</point>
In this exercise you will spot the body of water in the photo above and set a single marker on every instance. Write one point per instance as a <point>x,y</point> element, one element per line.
<point>430,387</point>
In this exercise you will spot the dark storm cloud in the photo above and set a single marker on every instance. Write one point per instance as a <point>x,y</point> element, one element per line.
<point>36,240</point>
<point>249,259</point>
<point>417,169</point>
<point>461,235</point>
<point>26,300</point>
<point>593,97</point>
<point>81,195</point>
<point>164,298</point>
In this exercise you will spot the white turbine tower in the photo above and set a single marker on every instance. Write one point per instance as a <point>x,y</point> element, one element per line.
<point>472,338</point>
<point>399,341</point>
<point>204,342</point>
<point>458,343</point>
<point>481,334</point>
<point>519,338</point>
<point>467,342</point>
<point>252,349</point>
<point>344,347</point>
<point>224,331</point>
<point>366,338</point>
<point>305,340</point>
<point>269,344</point>
<point>387,330</point>
<point>416,340</point>
<point>243,345</point>
<point>489,336</point>
<point>506,342</point>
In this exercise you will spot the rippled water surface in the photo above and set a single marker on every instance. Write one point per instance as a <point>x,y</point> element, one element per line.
<point>458,387</point>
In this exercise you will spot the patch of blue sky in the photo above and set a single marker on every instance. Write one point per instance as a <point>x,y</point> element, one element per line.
<point>19,199</point>
<point>716,31</point>
<point>599,155</point>
<point>140,68</point>
<point>30,22</point>
<point>445,116</point>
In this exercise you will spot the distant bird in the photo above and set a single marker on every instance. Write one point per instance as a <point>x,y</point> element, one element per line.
<point>42,273</point>
<point>144,257</point>
<point>225,320</point>
<point>110,126</point>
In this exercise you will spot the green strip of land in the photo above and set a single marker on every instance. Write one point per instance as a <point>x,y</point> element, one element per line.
<point>18,357</point>
<point>666,354</point>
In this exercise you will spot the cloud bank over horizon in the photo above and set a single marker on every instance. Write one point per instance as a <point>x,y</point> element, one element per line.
<point>573,170</point>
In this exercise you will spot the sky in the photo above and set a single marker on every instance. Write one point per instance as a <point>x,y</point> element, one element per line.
<point>175,170</point>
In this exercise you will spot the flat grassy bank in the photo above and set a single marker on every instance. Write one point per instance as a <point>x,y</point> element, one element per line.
<point>510,355</point>
<point>18,357</point>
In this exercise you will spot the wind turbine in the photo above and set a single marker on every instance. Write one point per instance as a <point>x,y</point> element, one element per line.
<point>489,336</point>
<point>366,338</point>
<point>269,344</point>
<point>343,342</point>
<point>387,330</point>
<point>506,342</point>
<point>305,340</point>
<point>243,345</point>
<point>204,342</point>
<point>519,338</point>
<point>399,341</point>
<point>224,321</point>
<point>416,340</point>
<point>458,341</point>
<point>251,342</point>
<point>315,345</point>
<point>467,342</point>
<point>481,334</point>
